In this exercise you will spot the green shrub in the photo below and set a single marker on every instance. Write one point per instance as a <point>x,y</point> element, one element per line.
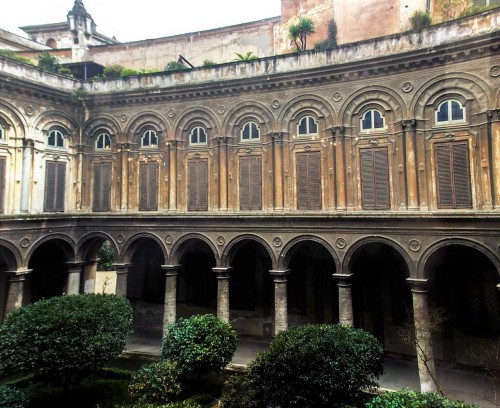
<point>199,345</point>
<point>113,71</point>
<point>106,257</point>
<point>240,391</point>
<point>318,366</point>
<point>174,66</point>
<point>420,19</point>
<point>64,339</point>
<point>209,63</point>
<point>413,399</point>
<point>157,382</point>
<point>11,397</point>
<point>13,55</point>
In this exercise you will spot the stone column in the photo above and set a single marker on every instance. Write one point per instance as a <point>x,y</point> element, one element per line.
<point>89,276</point>
<point>223,292</point>
<point>409,127</point>
<point>338,133</point>
<point>172,179</point>
<point>279,203</point>
<point>125,150</point>
<point>15,294</point>
<point>344,283</point>
<point>121,279</point>
<point>79,179</point>
<point>26,183</point>
<point>494,119</point>
<point>222,143</point>
<point>423,340</point>
<point>170,305</point>
<point>280,300</point>
<point>73,283</point>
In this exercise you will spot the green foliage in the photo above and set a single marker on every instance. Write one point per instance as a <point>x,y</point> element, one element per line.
<point>297,33</point>
<point>113,71</point>
<point>64,339</point>
<point>414,399</point>
<point>331,41</point>
<point>48,62</point>
<point>199,345</point>
<point>156,382</point>
<point>13,55</point>
<point>11,397</point>
<point>177,404</point>
<point>314,366</point>
<point>240,391</point>
<point>420,19</point>
<point>106,257</point>
<point>174,66</point>
<point>245,57</point>
<point>208,63</point>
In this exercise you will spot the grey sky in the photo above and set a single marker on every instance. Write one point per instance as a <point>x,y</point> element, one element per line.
<point>138,20</point>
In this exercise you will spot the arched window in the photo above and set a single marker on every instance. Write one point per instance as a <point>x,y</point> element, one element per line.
<point>149,138</point>
<point>103,141</point>
<point>3,136</point>
<point>450,111</point>
<point>250,131</point>
<point>51,43</point>
<point>372,120</point>
<point>55,138</point>
<point>307,126</point>
<point>198,135</point>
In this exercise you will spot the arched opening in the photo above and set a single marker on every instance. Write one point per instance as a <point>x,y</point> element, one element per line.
<point>463,288</point>
<point>382,300</point>
<point>7,263</point>
<point>146,285</point>
<point>51,43</point>
<point>99,274</point>
<point>197,283</point>
<point>312,291</point>
<point>251,290</point>
<point>50,272</point>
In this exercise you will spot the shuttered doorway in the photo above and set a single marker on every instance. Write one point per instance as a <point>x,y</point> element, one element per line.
<point>375,193</point>
<point>309,181</point>
<point>2,184</point>
<point>250,183</point>
<point>148,186</point>
<point>55,183</point>
<point>198,185</point>
<point>102,187</point>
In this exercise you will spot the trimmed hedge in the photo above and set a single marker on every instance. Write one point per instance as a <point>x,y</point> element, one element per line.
<point>11,397</point>
<point>414,399</point>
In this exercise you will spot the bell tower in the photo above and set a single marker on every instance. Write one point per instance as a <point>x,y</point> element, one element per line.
<point>82,27</point>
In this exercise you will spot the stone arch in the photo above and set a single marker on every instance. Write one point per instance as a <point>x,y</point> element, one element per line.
<point>228,252</point>
<point>12,255</point>
<point>13,118</point>
<point>375,95</point>
<point>92,239</point>
<point>178,248</point>
<point>304,104</point>
<point>467,86</point>
<point>287,251</point>
<point>197,115</point>
<point>71,255</point>
<point>102,121</point>
<point>129,247</point>
<point>351,251</point>
<point>426,255</point>
<point>244,110</point>
<point>148,118</point>
<point>57,118</point>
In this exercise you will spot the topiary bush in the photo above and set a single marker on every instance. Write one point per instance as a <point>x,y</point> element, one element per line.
<point>11,397</point>
<point>315,366</point>
<point>64,339</point>
<point>199,345</point>
<point>413,399</point>
<point>240,391</point>
<point>156,383</point>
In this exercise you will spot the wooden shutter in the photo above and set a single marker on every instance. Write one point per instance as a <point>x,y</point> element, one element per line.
<point>102,187</point>
<point>375,192</point>
<point>308,181</point>
<point>148,186</point>
<point>453,175</point>
<point>2,184</point>
<point>55,183</point>
<point>250,183</point>
<point>198,185</point>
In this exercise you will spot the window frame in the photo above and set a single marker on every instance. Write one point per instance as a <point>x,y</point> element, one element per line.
<point>251,138</point>
<point>149,131</point>
<point>372,129</point>
<point>308,133</point>
<point>3,133</point>
<point>107,136</point>
<point>56,131</point>
<point>450,120</point>
<point>197,128</point>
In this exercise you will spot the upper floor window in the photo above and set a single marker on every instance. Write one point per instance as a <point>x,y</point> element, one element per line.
<point>450,111</point>
<point>307,126</point>
<point>149,138</point>
<point>250,131</point>
<point>198,135</point>
<point>3,136</point>
<point>372,120</point>
<point>103,141</point>
<point>55,138</point>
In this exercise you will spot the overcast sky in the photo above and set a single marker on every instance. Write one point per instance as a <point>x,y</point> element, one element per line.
<point>138,20</point>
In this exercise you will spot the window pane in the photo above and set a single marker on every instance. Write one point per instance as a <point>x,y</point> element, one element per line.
<point>378,120</point>
<point>442,114</point>
<point>254,131</point>
<point>457,112</point>
<point>2,133</point>
<point>303,126</point>
<point>366,122</point>
<point>60,141</point>
<point>153,139</point>
<point>202,136</point>
<point>313,127</point>
<point>194,137</point>
<point>246,132</point>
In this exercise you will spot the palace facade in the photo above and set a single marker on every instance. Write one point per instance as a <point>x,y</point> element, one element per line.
<point>359,185</point>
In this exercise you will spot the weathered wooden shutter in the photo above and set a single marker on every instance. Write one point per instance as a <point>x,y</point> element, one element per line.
<point>250,183</point>
<point>102,187</point>
<point>453,175</point>
<point>198,185</point>
<point>375,192</point>
<point>148,186</point>
<point>55,183</point>
<point>309,181</point>
<point>2,184</point>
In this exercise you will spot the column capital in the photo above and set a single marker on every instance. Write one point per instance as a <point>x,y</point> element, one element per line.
<point>418,285</point>
<point>222,272</point>
<point>122,267</point>
<point>277,136</point>
<point>409,124</point>
<point>343,276</point>
<point>171,270</point>
<point>79,264</point>
<point>494,115</point>
<point>279,276</point>
<point>19,275</point>
<point>338,131</point>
